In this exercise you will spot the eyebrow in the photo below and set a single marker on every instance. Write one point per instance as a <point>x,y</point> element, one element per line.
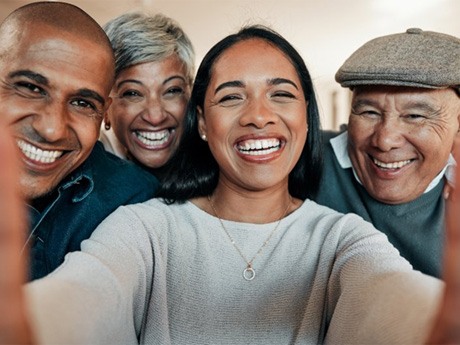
<point>233,83</point>
<point>42,80</point>
<point>238,83</point>
<point>363,102</point>
<point>87,93</point>
<point>422,106</point>
<point>174,77</point>
<point>419,105</point>
<point>140,83</point>
<point>128,81</point>
<point>278,81</point>
<point>38,78</point>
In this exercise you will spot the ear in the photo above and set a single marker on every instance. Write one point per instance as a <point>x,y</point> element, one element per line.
<point>457,134</point>
<point>202,130</point>
<point>106,113</point>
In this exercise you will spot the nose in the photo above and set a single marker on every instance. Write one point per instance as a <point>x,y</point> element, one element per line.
<point>388,135</point>
<point>153,111</point>
<point>52,123</point>
<point>258,113</point>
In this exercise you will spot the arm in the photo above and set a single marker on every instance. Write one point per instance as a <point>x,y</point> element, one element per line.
<point>14,328</point>
<point>447,326</point>
<point>41,310</point>
<point>100,294</point>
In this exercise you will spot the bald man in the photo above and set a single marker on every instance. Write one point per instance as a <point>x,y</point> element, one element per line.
<point>56,70</point>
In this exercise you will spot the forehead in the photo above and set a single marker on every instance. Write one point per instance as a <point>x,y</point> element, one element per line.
<point>169,66</point>
<point>53,52</point>
<point>404,94</point>
<point>255,56</point>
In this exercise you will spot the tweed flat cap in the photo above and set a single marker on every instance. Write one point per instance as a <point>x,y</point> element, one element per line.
<point>414,58</point>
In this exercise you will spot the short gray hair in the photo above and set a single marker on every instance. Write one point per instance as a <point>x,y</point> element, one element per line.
<point>139,38</point>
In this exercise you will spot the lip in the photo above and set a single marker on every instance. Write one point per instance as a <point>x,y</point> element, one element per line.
<point>390,169</point>
<point>154,140</point>
<point>40,159</point>
<point>260,148</point>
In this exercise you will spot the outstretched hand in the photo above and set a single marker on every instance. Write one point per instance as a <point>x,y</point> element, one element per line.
<point>447,326</point>
<point>14,327</point>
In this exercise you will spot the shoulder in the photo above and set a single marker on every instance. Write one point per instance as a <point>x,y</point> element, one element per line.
<point>334,224</point>
<point>156,219</point>
<point>117,178</point>
<point>156,210</point>
<point>111,143</point>
<point>111,166</point>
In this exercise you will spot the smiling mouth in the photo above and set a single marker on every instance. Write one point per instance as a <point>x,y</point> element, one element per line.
<point>259,147</point>
<point>392,165</point>
<point>38,155</point>
<point>154,139</point>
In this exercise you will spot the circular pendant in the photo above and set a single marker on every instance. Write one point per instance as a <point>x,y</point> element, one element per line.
<point>249,273</point>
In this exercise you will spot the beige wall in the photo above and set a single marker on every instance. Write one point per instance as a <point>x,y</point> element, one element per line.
<point>325,32</point>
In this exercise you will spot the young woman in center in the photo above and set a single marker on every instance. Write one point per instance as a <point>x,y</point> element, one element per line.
<point>238,254</point>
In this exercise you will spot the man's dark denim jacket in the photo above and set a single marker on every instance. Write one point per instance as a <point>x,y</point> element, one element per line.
<point>80,202</point>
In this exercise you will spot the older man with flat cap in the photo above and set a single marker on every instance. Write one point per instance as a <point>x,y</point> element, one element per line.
<point>393,162</point>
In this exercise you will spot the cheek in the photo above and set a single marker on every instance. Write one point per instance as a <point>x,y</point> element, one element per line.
<point>432,145</point>
<point>302,130</point>
<point>219,123</point>
<point>13,109</point>
<point>176,109</point>
<point>121,116</point>
<point>88,133</point>
<point>123,112</point>
<point>358,133</point>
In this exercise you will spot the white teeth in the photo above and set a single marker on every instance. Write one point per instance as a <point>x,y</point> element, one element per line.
<point>259,147</point>
<point>153,138</point>
<point>36,154</point>
<point>393,165</point>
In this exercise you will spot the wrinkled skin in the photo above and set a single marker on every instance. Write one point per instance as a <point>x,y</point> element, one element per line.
<point>400,138</point>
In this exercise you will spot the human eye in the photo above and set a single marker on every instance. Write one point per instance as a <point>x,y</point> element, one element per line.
<point>230,100</point>
<point>174,91</point>
<point>86,107</point>
<point>365,111</point>
<point>29,89</point>
<point>130,94</point>
<point>283,96</point>
<point>415,117</point>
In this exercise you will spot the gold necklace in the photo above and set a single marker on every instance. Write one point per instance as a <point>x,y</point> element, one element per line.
<point>249,273</point>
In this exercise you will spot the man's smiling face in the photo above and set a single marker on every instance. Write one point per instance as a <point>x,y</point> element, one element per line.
<point>400,138</point>
<point>53,94</point>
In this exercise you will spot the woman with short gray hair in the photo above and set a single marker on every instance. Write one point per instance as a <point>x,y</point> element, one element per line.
<point>155,64</point>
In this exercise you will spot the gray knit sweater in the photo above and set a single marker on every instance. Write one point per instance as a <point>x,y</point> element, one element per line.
<point>415,228</point>
<point>158,274</point>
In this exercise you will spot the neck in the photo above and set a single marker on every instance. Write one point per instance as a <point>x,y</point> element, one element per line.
<point>252,206</point>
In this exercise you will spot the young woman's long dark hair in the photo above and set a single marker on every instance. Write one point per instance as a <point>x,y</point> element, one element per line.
<point>192,171</point>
